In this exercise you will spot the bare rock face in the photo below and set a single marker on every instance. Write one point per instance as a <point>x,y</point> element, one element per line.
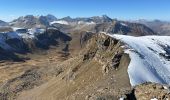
<point>106,50</point>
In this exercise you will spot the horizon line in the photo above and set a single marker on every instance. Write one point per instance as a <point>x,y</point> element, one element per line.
<point>8,19</point>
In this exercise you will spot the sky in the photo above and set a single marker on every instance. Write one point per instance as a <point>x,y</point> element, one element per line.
<point>120,9</point>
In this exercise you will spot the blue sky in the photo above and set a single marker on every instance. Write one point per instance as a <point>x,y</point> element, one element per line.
<point>120,9</point>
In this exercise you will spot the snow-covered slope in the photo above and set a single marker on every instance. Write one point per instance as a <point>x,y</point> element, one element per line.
<point>150,58</point>
<point>9,39</point>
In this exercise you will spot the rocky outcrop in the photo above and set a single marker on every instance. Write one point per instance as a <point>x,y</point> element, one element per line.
<point>148,91</point>
<point>106,50</point>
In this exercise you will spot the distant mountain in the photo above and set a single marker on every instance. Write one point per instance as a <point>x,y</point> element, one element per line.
<point>68,24</point>
<point>51,18</point>
<point>2,23</point>
<point>161,27</point>
<point>102,19</point>
<point>124,28</point>
<point>95,19</point>
<point>91,24</point>
<point>31,21</point>
<point>101,24</point>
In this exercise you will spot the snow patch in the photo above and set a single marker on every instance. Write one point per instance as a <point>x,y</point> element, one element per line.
<point>16,28</point>
<point>32,31</point>
<point>121,98</point>
<point>123,24</point>
<point>60,22</point>
<point>87,23</point>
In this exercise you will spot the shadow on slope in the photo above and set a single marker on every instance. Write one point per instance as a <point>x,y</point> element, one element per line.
<point>41,42</point>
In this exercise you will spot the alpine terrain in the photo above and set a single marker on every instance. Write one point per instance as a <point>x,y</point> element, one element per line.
<point>83,58</point>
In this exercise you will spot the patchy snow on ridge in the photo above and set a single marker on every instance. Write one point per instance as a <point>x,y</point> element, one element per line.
<point>32,31</point>
<point>150,58</point>
<point>60,22</point>
<point>16,28</point>
<point>88,23</point>
<point>123,24</point>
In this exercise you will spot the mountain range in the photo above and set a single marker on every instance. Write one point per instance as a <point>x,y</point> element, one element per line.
<point>91,24</point>
<point>88,24</point>
<point>161,27</point>
<point>95,58</point>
